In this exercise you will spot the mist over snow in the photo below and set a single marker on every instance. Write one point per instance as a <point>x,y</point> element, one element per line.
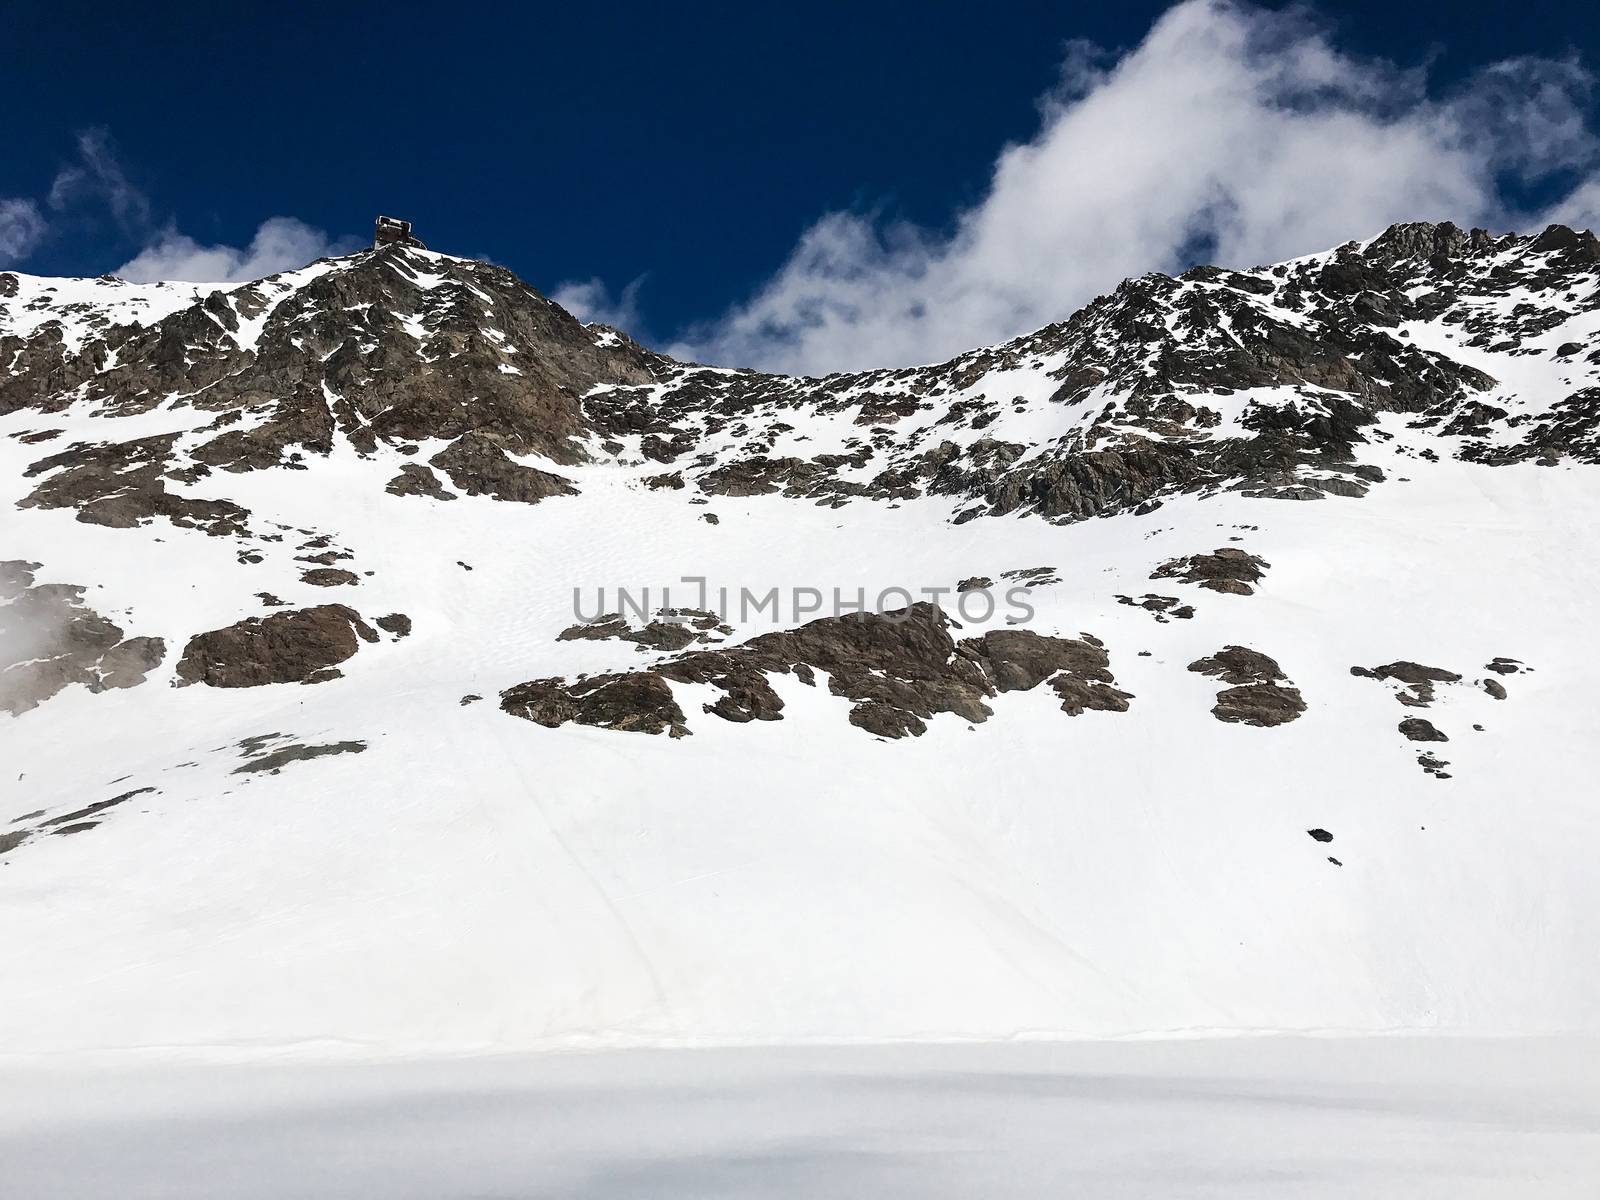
<point>1230,134</point>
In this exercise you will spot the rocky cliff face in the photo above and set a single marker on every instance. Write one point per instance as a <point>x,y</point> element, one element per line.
<point>1266,381</point>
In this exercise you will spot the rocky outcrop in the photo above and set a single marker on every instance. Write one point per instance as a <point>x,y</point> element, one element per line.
<point>898,669</point>
<point>297,646</point>
<point>123,485</point>
<point>1260,693</point>
<point>672,629</point>
<point>1162,608</point>
<point>1229,570</point>
<point>479,467</point>
<point>1415,681</point>
<point>417,480</point>
<point>1418,729</point>
<point>387,349</point>
<point>50,640</point>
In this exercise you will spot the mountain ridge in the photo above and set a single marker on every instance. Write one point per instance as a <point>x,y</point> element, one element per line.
<point>319,737</point>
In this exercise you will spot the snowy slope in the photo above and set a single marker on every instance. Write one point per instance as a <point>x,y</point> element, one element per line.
<point>441,875</point>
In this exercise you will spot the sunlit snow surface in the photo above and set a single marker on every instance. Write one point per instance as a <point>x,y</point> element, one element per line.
<point>1267,1118</point>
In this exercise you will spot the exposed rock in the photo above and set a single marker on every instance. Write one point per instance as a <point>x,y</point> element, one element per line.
<point>1238,665</point>
<point>127,663</point>
<point>1228,569</point>
<point>16,577</point>
<point>1263,704</point>
<point>396,623</point>
<point>329,577</point>
<point>673,629</point>
<point>1495,688</point>
<point>285,647</point>
<point>66,823</point>
<point>1163,608</point>
<point>1417,729</point>
<point>417,480</point>
<point>640,702</point>
<point>479,467</point>
<point>1261,694</point>
<point>1320,835</point>
<point>50,640</point>
<point>391,348</point>
<point>1433,766</point>
<point>1032,577</point>
<point>123,485</point>
<point>1416,680</point>
<point>94,809</point>
<point>900,669</point>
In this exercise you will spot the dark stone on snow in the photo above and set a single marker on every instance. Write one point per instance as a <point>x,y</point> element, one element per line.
<point>1417,729</point>
<point>329,577</point>
<point>900,669</point>
<point>396,623</point>
<point>274,761</point>
<point>286,647</point>
<point>1229,570</point>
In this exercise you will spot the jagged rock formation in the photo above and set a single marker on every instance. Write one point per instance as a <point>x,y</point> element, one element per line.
<point>900,669</point>
<point>1228,569</point>
<point>1265,382</point>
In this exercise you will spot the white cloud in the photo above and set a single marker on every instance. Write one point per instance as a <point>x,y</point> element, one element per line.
<point>22,227</point>
<point>98,176</point>
<point>591,301</point>
<point>94,182</point>
<point>1232,134</point>
<point>280,244</point>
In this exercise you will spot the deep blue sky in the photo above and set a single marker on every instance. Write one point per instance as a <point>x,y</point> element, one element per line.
<point>691,141</point>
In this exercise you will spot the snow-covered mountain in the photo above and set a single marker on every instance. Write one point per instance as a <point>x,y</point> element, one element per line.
<point>393,662</point>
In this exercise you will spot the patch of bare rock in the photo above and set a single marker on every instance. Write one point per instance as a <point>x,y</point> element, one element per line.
<point>50,640</point>
<point>329,577</point>
<point>417,480</point>
<point>1417,685</point>
<point>1415,681</point>
<point>260,760</point>
<point>1162,608</point>
<point>899,669</point>
<point>672,629</point>
<point>478,466</point>
<point>397,624</point>
<point>297,646</point>
<point>79,820</point>
<point>124,485</point>
<point>1420,729</point>
<point>1260,693</point>
<point>1228,569</point>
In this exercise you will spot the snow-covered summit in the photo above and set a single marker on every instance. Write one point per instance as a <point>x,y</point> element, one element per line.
<point>378,667</point>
